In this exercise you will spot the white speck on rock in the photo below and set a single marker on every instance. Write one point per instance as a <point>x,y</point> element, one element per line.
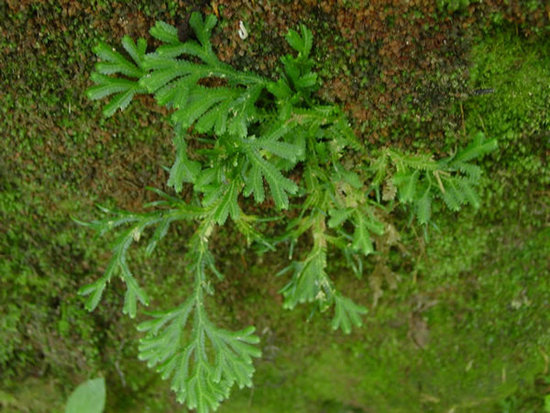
<point>243,33</point>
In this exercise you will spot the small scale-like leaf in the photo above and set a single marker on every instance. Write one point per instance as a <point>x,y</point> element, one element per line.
<point>120,101</point>
<point>469,193</point>
<point>132,284</point>
<point>374,225</point>
<point>164,32</point>
<point>423,207</point>
<point>280,89</point>
<point>95,291</point>
<point>116,63</point>
<point>255,185</point>
<point>159,233</point>
<point>346,314</point>
<point>200,101</point>
<point>406,182</point>
<point>295,41</point>
<point>301,44</point>
<point>136,51</point>
<point>351,178</point>
<point>159,78</point>
<point>130,303</point>
<point>361,237</point>
<point>306,81</point>
<point>472,171</point>
<point>107,86</point>
<point>203,28</point>
<point>451,199</point>
<point>184,169</point>
<point>282,149</point>
<point>338,216</point>
<point>306,284</point>
<point>228,204</point>
<point>361,241</point>
<point>279,185</point>
<point>307,38</point>
<point>190,48</point>
<point>207,177</point>
<point>478,147</point>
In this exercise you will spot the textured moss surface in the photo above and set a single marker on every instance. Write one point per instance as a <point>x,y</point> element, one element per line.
<point>466,325</point>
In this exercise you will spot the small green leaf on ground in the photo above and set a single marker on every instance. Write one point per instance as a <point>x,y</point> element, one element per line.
<point>88,397</point>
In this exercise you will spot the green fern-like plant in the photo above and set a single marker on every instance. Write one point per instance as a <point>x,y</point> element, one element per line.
<point>255,132</point>
<point>418,180</point>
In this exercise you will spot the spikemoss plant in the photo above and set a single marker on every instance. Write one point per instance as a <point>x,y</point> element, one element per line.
<point>270,140</point>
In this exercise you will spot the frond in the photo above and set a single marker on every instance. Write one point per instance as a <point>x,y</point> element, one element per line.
<point>477,148</point>
<point>302,44</point>
<point>184,169</point>
<point>405,161</point>
<point>176,82</point>
<point>346,314</point>
<point>472,171</point>
<point>470,195</point>
<point>309,282</point>
<point>364,226</point>
<point>228,204</point>
<point>202,360</point>
<point>406,182</point>
<point>339,216</point>
<point>424,207</point>
<point>118,264</point>
<point>452,195</point>
<point>113,62</point>
<point>279,185</point>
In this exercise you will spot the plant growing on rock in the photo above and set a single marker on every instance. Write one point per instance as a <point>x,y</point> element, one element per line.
<point>267,140</point>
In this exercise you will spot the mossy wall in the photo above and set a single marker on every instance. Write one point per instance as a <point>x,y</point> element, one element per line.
<point>466,325</point>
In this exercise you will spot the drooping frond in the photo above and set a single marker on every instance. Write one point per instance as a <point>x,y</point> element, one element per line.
<point>202,361</point>
<point>118,264</point>
<point>346,314</point>
<point>420,179</point>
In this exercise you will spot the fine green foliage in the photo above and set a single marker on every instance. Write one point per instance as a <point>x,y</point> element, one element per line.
<point>420,179</point>
<point>205,364</point>
<point>270,141</point>
<point>114,63</point>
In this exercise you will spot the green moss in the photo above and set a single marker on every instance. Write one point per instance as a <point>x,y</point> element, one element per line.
<point>486,274</point>
<point>517,115</point>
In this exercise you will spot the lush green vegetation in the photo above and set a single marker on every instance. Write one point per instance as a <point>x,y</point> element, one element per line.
<point>462,323</point>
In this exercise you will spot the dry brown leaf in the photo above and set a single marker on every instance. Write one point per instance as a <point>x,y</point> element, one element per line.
<point>418,330</point>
